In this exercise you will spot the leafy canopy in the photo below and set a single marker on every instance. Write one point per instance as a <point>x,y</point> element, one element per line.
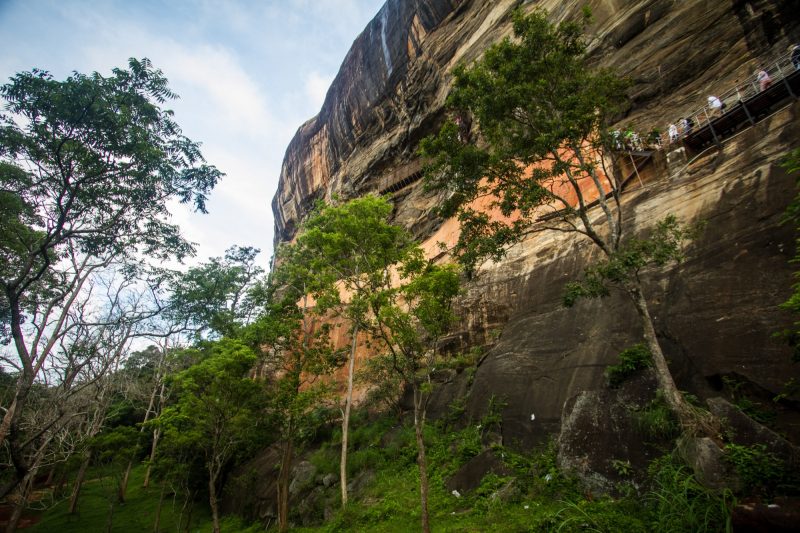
<point>87,167</point>
<point>218,295</point>
<point>536,102</point>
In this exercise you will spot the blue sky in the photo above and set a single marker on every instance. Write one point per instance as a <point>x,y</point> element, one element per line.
<point>248,74</point>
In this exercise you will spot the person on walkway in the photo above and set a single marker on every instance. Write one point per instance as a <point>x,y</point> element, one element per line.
<point>672,130</point>
<point>714,106</point>
<point>795,48</point>
<point>763,79</point>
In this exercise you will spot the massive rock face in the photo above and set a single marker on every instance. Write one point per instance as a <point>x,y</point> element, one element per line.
<point>715,313</point>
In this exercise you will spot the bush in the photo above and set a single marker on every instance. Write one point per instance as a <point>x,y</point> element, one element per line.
<point>760,471</point>
<point>678,502</point>
<point>633,359</point>
<point>657,420</point>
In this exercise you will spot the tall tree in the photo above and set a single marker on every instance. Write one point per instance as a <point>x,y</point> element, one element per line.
<point>218,411</point>
<point>88,167</point>
<point>411,320</point>
<point>295,338</point>
<point>543,114</point>
<point>349,250</point>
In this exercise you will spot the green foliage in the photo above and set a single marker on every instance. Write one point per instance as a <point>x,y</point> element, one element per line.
<point>631,360</point>
<point>755,410</point>
<point>138,513</point>
<point>679,503</point>
<point>600,516</point>
<point>217,295</point>
<point>792,165</point>
<point>760,471</point>
<point>535,100</point>
<point>657,420</point>
<point>217,415</point>
<point>108,158</point>
<point>385,385</point>
<point>622,267</point>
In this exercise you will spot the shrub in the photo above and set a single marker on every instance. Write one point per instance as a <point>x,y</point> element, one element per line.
<point>678,502</point>
<point>633,359</point>
<point>760,471</point>
<point>657,420</point>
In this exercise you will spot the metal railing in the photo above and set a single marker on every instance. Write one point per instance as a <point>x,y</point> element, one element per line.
<point>776,71</point>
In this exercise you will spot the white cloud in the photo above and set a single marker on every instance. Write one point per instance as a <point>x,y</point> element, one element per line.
<point>316,87</point>
<point>249,73</point>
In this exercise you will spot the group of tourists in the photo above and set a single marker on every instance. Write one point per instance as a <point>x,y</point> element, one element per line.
<point>715,106</point>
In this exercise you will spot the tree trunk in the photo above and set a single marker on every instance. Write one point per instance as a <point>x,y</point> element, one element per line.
<point>58,489</point>
<point>157,523</point>
<point>283,485</point>
<point>156,431</point>
<point>24,381</point>
<point>50,476</point>
<point>348,401</point>
<point>212,501</point>
<point>21,504</point>
<point>190,511</point>
<point>156,436</point>
<point>76,488</point>
<point>422,461</point>
<point>110,519</point>
<point>123,484</point>
<point>663,375</point>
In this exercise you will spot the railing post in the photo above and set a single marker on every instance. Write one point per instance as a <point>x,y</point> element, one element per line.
<point>785,81</point>
<point>711,127</point>
<point>744,106</point>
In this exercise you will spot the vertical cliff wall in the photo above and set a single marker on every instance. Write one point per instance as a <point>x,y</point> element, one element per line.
<point>715,314</point>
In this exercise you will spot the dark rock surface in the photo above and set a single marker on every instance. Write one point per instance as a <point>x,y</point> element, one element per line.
<point>744,431</point>
<point>469,476</point>
<point>715,314</point>
<point>600,442</point>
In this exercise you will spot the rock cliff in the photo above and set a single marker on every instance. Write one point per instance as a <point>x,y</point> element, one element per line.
<point>715,313</point>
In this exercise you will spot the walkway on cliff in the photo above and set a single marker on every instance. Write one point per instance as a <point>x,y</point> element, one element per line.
<point>742,106</point>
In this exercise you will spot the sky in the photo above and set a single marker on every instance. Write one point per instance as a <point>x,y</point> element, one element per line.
<point>248,74</point>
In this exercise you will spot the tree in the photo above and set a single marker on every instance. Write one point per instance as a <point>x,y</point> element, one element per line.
<point>543,116</point>
<point>216,295</point>
<point>88,167</point>
<point>411,319</point>
<point>217,413</point>
<point>349,251</point>
<point>298,349</point>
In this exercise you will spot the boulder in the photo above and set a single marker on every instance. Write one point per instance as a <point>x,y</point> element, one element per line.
<point>302,477</point>
<point>743,430</point>
<point>707,461</point>
<point>599,442</point>
<point>469,476</point>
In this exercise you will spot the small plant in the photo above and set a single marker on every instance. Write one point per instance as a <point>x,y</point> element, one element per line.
<point>751,408</point>
<point>657,420</point>
<point>760,471</point>
<point>622,468</point>
<point>678,502</point>
<point>633,359</point>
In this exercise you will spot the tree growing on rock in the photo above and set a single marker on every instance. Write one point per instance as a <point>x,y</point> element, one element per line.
<point>545,162</point>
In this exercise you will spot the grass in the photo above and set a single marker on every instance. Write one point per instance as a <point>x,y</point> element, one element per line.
<point>535,496</point>
<point>137,514</point>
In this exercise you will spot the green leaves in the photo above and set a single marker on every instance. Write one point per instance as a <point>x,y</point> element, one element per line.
<point>107,160</point>
<point>536,103</point>
<point>622,267</point>
<point>218,295</point>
